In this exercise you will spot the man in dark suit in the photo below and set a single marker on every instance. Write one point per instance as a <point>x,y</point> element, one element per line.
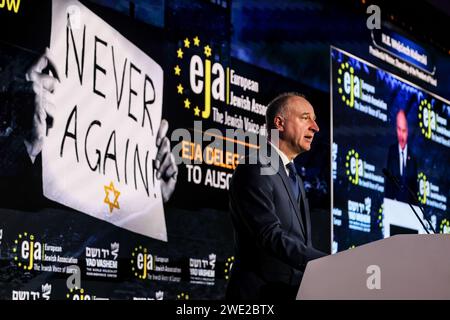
<point>269,208</point>
<point>402,164</point>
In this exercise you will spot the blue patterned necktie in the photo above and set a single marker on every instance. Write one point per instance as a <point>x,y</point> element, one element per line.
<point>296,184</point>
<point>293,179</point>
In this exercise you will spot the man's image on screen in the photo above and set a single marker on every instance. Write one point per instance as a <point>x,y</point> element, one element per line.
<point>402,164</point>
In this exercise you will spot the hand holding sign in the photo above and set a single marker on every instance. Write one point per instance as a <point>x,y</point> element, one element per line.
<point>43,86</point>
<point>165,162</point>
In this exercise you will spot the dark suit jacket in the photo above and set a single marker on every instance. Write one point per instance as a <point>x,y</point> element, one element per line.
<point>273,244</point>
<point>409,179</point>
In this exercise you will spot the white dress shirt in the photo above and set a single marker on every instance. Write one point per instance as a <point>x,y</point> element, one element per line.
<point>283,157</point>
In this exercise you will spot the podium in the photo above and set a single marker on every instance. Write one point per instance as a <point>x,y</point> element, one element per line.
<point>405,266</point>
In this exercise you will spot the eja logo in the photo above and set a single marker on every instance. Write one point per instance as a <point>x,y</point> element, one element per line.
<point>354,166</point>
<point>424,188</point>
<point>27,250</point>
<point>198,75</point>
<point>141,262</point>
<point>427,118</point>
<point>349,85</point>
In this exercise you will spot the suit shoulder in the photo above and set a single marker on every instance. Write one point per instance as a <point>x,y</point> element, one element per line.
<point>253,173</point>
<point>392,152</point>
<point>247,170</point>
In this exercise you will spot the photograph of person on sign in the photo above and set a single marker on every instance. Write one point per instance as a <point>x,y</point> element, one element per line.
<point>97,124</point>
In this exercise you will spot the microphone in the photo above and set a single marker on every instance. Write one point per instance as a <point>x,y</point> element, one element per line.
<point>401,186</point>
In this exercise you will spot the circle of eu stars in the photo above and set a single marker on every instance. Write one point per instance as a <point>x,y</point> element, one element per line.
<point>422,197</point>
<point>342,69</point>
<point>425,127</point>
<point>21,237</point>
<point>134,258</point>
<point>351,154</point>
<point>186,45</point>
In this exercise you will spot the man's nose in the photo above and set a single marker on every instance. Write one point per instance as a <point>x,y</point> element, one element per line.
<point>315,128</point>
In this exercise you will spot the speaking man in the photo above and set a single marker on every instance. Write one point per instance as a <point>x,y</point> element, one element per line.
<point>269,208</point>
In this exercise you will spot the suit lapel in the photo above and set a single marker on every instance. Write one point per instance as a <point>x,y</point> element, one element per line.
<point>409,162</point>
<point>397,163</point>
<point>287,185</point>
<point>305,210</point>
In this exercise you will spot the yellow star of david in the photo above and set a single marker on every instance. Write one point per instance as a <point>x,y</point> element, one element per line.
<point>116,193</point>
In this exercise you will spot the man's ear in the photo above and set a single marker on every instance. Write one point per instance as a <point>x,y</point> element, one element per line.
<point>279,123</point>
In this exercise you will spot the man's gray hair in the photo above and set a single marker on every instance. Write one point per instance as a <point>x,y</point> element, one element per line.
<point>278,107</point>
